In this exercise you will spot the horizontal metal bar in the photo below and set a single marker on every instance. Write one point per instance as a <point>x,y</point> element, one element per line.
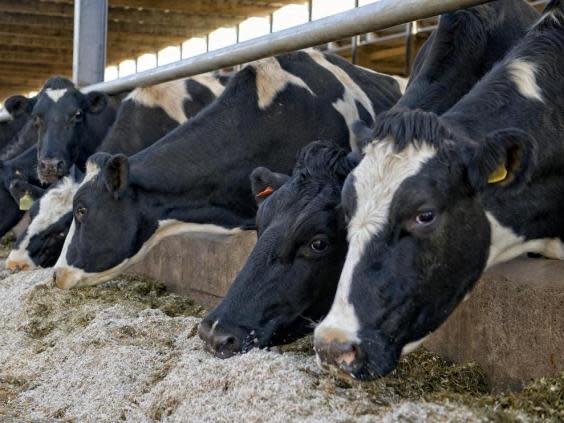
<point>372,17</point>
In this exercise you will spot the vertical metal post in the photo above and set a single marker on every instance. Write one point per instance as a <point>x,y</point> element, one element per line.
<point>309,10</point>
<point>411,30</point>
<point>354,48</point>
<point>90,38</point>
<point>207,42</point>
<point>271,23</point>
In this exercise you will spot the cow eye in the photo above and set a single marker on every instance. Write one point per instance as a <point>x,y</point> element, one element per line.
<point>425,218</point>
<point>80,213</point>
<point>319,245</point>
<point>61,234</point>
<point>36,120</point>
<point>77,116</point>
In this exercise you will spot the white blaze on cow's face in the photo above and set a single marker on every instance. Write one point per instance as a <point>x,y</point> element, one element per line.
<point>368,196</point>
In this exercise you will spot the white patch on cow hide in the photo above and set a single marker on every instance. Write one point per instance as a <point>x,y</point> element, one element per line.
<point>412,346</point>
<point>347,105</point>
<point>169,96</point>
<point>271,79</point>
<point>52,206</point>
<point>55,95</point>
<point>402,82</point>
<point>554,15</point>
<point>505,244</point>
<point>69,276</point>
<point>92,170</point>
<point>210,81</point>
<point>376,180</point>
<point>523,74</point>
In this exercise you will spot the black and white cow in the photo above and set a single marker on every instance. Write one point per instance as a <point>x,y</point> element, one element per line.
<point>19,108</point>
<point>195,179</point>
<point>291,276</point>
<point>145,115</point>
<point>438,200</point>
<point>70,127</point>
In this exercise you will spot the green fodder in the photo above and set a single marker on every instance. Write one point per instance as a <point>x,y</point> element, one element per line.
<point>48,309</point>
<point>423,375</point>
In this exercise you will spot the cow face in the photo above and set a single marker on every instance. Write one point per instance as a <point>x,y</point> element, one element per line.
<point>42,241</point>
<point>419,238</point>
<point>109,225</point>
<point>60,117</point>
<point>290,277</point>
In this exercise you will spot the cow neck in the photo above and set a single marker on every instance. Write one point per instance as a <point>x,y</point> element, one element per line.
<point>200,170</point>
<point>465,45</point>
<point>495,103</point>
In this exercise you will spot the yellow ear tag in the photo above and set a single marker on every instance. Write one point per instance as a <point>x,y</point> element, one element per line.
<point>26,202</point>
<point>498,175</point>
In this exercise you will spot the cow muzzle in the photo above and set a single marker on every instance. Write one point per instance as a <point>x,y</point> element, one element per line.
<point>221,341</point>
<point>19,260</point>
<point>66,278</point>
<point>51,170</point>
<point>336,351</point>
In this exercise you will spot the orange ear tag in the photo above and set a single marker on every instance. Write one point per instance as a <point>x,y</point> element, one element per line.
<point>265,192</point>
<point>498,175</point>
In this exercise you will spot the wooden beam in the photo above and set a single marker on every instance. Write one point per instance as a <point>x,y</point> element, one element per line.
<point>39,58</point>
<point>117,14</point>
<point>390,52</point>
<point>56,34</point>
<point>243,8</point>
<point>37,68</point>
<point>190,29</point>
<point>49,43</point>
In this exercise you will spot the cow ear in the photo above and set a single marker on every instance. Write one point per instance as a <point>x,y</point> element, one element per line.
<point>116,174</point>
<point>264,182</point>
<point>97,101</point>
<point>17,105</point>
<point>505,159</point>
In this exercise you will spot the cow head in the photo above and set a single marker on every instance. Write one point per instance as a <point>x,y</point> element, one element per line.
<point>60,116</point>
<point>290,277</point>
<point>106,199</point>
<point>419,236</point>
<point>51,216</point>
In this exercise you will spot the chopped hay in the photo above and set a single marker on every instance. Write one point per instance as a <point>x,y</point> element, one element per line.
<point>128,351</point>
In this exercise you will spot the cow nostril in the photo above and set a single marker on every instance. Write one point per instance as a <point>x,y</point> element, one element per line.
<point>60,166</point>
<point>226,346</point>
<point>344,355</point>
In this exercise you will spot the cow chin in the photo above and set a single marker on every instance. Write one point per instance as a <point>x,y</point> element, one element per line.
<point>71,277</point>
<point>49,177</point>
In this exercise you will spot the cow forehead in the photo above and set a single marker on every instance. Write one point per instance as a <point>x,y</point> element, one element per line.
<point>377,179</point>
<point>54,94</point>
